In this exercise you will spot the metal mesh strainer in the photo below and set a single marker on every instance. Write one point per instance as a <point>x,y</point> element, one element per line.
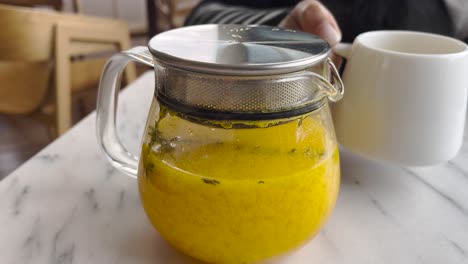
<point>246,97</point>
<point>243,72</point>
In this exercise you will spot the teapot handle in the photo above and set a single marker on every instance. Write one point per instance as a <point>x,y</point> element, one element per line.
<point>109,87</point>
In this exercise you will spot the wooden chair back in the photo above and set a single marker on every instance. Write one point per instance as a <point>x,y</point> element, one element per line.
<point>40,49</point>
<point>168,14</point>
<point>55,4</point>
<point>25,60</point>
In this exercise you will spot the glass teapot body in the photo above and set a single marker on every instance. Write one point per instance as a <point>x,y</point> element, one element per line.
<point>239,161</point>
<point>238,191</point>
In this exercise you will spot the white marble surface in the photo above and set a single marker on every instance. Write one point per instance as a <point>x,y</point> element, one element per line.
<point>67,205</point>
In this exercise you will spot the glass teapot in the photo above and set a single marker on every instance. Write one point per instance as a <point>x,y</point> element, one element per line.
<point>239,161</point>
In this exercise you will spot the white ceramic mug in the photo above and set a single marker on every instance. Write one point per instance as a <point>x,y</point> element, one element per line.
<point>406,97</point>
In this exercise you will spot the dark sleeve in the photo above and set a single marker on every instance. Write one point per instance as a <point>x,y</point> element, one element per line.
<point>240,12</point>
<point>357,16</point>
<point>353,16</point>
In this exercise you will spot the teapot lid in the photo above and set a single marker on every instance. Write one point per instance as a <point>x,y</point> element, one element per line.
<point>238,49</point>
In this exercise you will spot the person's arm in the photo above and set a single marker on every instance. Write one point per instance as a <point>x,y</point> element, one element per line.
<point>244,12</point>
<point>353,16</point>
<point>357,16</point>
<point>458,10</point>
<point>268,12</point>
<point>367,15</point>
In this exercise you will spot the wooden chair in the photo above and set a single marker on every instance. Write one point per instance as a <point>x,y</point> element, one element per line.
<point>167,14</point>
<point>55,4</point>
<point>38,53</point>
<point>71,40</point>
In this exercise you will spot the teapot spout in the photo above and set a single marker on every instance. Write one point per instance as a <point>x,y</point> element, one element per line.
<point>334,87</point>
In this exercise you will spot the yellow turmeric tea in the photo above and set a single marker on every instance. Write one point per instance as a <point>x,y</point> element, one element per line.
<point>224,194</point>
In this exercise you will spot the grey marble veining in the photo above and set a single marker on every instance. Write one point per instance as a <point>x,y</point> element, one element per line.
<point>68,205</point>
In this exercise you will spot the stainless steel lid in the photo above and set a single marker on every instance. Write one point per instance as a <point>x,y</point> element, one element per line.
<point>238,50</point>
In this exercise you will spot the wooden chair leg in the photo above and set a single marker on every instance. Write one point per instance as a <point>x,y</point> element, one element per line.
<point>77,6</point>
<point>66,35</point>
<point>130,70</point>
<point>151,15</point>
<point>52,131</point>
<point>130,73</point>
<point>62,81</point>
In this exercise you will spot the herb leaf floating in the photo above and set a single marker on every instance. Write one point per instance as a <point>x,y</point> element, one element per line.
<point>210,181</point>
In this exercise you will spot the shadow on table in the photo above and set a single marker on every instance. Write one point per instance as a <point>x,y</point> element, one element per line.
<point>153,249</point>
<point>379,176</point>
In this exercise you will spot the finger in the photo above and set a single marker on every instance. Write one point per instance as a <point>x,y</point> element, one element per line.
<point>314,18</point>
<point>290,21</point>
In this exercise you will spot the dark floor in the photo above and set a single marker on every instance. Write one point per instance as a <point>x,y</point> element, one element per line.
<point>21,137</point>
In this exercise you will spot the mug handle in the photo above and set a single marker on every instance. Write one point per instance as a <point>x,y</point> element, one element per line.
<point>109,87</point>
<point>343,50</point>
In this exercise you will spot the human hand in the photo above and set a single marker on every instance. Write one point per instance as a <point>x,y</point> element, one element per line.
<point>313,17</point>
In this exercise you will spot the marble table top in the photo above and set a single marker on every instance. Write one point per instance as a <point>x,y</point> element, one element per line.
<point>68,205</point>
